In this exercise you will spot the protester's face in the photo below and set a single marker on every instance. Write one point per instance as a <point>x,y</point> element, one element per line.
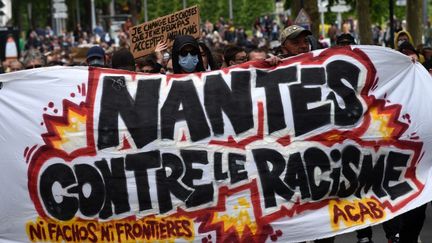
<point>189,58</point>
<point>15,66</point>
<point>239,58</point>
<point>296,46</point>
<point>204,57</point>
<point>402,38</point>
<point>147,69</point>
<point>257,56</point>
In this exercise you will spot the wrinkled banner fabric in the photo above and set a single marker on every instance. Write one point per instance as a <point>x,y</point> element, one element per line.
<point>323,144</point>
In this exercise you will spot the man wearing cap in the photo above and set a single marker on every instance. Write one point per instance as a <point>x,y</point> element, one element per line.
<point>96,57</point>
<point>294,41</point>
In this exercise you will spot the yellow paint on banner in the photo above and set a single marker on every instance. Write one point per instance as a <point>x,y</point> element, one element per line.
<point>355,212</point>
<point>149,229</point>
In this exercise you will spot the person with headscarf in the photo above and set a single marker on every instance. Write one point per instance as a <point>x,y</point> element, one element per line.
<point>401,37</point>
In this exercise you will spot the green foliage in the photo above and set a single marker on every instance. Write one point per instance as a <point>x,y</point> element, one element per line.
<point>379,10</point>
<point>208,11</point>
<point>245,11</point>
<point>253,9</point>
<point>103,3</point>
<point>287,4</point>
<point>400,12</point>
<point>40,14</point>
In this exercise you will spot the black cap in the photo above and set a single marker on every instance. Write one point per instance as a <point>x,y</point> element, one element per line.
<point>345,39</point>
<point>96,51</point>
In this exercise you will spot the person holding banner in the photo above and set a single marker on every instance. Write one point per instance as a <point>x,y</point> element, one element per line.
<point>406,227</point>
<point>234,55</point>
<point>96,57</point>
<point>294,41</point>
<point>257,54</point>
<point>186,55</point>
<point>14,66</point>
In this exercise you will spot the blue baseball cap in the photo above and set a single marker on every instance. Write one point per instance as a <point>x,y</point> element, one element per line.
<point>95,51</point>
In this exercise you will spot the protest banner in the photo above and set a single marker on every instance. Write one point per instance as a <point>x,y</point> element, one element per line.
<point>324,143</point>
<point>146,36</point>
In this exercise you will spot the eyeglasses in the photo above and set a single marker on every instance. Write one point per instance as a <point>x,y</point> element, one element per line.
<point>33,66</point>
<point>147,70</point>
<point>184,53</point>
<point>241,59</point>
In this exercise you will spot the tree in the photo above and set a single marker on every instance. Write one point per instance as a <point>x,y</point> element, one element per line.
<point>363,11</point>
<point>414,16</point>
<point>133,11</point>
<point>40,13</point>
<point>252,9</point>
<point>208,11</point>
<point>364,20</point>
<point>311,8</point>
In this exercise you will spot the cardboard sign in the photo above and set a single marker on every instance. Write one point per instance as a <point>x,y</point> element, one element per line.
<point>145,37</point>
<point>332,140</point>
<point>79,54</point>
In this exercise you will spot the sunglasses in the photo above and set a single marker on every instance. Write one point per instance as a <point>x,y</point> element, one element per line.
<point>184,53</point>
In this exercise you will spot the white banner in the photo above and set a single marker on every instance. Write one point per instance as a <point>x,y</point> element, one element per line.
<point>323,144</point>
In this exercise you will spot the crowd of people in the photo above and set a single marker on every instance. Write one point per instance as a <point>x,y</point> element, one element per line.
<point>220,42</point>
<point>221,45</point>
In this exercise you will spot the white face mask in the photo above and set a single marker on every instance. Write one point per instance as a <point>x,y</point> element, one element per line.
<point>189,62</point>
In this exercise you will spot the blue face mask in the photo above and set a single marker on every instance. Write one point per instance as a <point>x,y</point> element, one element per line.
<point>189,62</point>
